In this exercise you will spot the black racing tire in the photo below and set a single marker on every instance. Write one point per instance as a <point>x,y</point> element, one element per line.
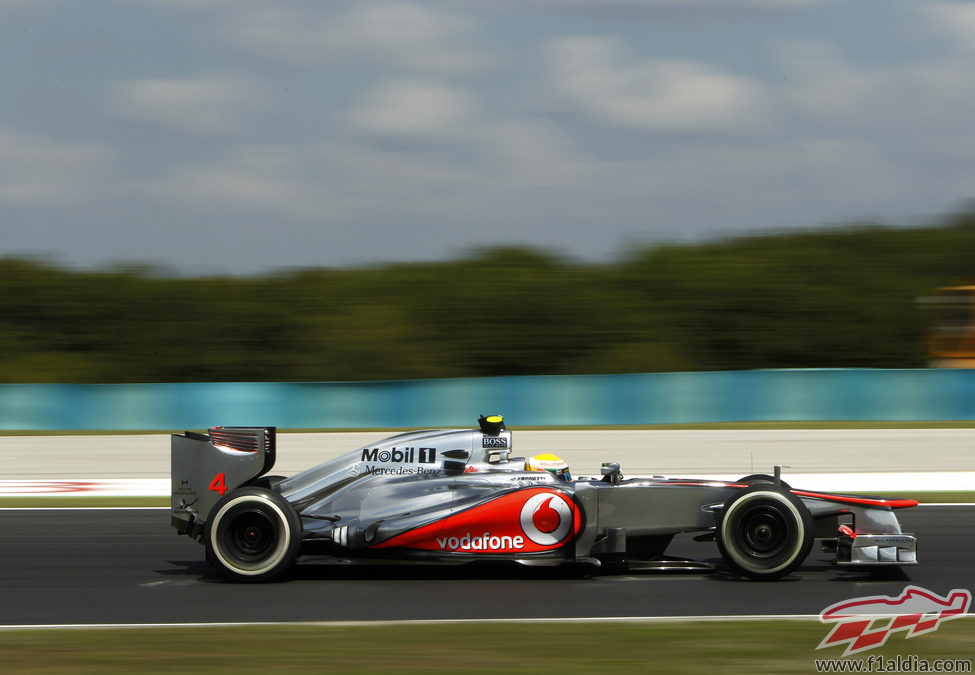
<point>753,478</point>
<point>764,532</point>
<point>253,534</point>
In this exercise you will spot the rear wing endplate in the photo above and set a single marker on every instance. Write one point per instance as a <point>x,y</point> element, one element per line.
<point>204,467</point>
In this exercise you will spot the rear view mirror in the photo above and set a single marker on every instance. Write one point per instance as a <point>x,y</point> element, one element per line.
<point>611,473</point>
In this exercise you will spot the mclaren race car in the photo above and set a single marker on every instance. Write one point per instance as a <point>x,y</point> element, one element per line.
<point>457,495</point>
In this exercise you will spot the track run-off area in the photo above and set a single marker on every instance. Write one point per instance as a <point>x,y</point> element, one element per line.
<point>847,459</point>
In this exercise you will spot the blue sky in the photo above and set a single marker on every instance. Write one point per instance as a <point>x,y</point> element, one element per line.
<point>237,136</point>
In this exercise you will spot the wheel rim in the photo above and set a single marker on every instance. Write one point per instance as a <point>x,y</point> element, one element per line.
<point>763,532</point>
<point>249,536</point>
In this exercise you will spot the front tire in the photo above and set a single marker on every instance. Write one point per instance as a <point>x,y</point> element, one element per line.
<point>754,478</point>
<point>764,532</point>
<point>253,534</point>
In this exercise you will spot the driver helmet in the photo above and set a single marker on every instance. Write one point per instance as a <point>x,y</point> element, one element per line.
<point>554,464</point>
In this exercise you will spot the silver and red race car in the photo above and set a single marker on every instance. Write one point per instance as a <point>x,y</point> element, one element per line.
<point>457,495</point>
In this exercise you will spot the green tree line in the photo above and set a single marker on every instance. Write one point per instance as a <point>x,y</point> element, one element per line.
<point>843,297</point>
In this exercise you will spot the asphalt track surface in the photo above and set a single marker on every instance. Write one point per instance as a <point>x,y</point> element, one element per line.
<point>127,566</point>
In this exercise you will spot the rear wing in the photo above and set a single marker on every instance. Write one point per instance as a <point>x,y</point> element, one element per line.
<point>204,467</point>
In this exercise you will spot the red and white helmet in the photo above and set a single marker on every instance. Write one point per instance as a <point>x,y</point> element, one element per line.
<point>554,464</point>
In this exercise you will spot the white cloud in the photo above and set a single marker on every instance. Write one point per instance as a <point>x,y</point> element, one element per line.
<point>600,78</point>
<point>491,5</point>
<point>902,100</point>
<point>532,153</point>
<point>414,107</point>
<point>723,5</point>
<point>496,150</point>
<point>403,35</point>
<point>277,178</point>
<point>955,19</point>
<point>12,6</point>
<point>37,171</point>
<point>208,104</point>
<point>206,5</point>
<point>326,183</point>
<point>345,182</point>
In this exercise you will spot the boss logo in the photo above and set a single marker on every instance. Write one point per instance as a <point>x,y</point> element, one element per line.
<point>494,442</point>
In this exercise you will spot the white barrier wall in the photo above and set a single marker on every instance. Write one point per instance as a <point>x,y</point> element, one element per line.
<point>640,452</point>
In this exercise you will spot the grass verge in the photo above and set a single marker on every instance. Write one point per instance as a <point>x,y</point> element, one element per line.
<point>677,647</point>
<point>74,502</point>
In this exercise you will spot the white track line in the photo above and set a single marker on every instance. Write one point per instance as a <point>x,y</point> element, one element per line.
<point>418,622</point>
<point>842,482</point>
<point>424,622</point>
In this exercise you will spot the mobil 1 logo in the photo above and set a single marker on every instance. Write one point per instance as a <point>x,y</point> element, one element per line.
<point>406,455</point>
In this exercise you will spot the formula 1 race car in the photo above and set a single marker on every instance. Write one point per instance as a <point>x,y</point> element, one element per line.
<point>456,495</point>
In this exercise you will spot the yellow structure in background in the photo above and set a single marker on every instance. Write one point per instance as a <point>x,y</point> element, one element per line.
<point>951,341</point>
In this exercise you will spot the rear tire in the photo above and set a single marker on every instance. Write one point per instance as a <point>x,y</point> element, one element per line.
<point>253,534</point>
<point>764,532</point>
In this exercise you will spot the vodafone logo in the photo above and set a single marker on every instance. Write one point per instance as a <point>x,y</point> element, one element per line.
<point>521,520</point>
<point>546,518</point>
<point>486,542</point>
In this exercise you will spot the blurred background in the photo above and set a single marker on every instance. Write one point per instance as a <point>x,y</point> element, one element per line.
<point>303,191</point>
<point>860,297</point>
